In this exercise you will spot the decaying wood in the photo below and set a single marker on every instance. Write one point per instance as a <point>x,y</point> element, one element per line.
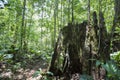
<point>80,46</point>
<point>72,44</point>
<point>103,39</point>
<point>95,25</point>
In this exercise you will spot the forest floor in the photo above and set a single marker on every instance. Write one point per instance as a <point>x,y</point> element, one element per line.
<point>35,70</point>
<point>27,73</point>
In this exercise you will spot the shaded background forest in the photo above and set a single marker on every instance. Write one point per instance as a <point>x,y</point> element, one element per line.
<point>29,28</point>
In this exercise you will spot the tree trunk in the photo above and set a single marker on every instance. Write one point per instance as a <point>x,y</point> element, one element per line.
<point>22,28</point>
<point>72,45</point>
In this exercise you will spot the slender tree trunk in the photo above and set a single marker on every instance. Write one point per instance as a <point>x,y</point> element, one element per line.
<point>55,19</point>
<point>69,10</point>
<point>72,11</point>
<point>22,27</point>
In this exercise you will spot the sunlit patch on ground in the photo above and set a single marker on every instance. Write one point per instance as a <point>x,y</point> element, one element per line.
<point>25,74</point>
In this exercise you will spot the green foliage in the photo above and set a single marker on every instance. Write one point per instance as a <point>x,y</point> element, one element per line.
<point>98,63</point>
<point>39,20</point>
<point>4,56</point>
<point>116,57</point>
<point>36,74</point>
<point>46,54</point>
<point>112,69</point>
<point>85,77</point>
<point>44,75</point>
<point>17,66</point>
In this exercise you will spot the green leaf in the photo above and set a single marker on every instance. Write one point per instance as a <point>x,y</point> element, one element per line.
<point>86,77</point>
<point>50,73</point>
<point>36,74</point>
<point>98,63</point>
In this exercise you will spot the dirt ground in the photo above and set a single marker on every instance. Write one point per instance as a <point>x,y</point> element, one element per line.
<point>26,73</point>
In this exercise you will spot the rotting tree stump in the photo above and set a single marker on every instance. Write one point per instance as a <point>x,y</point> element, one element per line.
<point>70,44</point>
<point>79,46</point>
<point>76,52</point>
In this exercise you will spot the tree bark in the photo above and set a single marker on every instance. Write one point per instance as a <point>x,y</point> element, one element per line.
<point>73,40</point>
<point>22,27</point>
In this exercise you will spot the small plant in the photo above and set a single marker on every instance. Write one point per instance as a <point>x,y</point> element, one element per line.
<point>85,77</point>
<point>116,57</point>
<point>16,66</point>
<point>44,75</point>
<point>113,72</point>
